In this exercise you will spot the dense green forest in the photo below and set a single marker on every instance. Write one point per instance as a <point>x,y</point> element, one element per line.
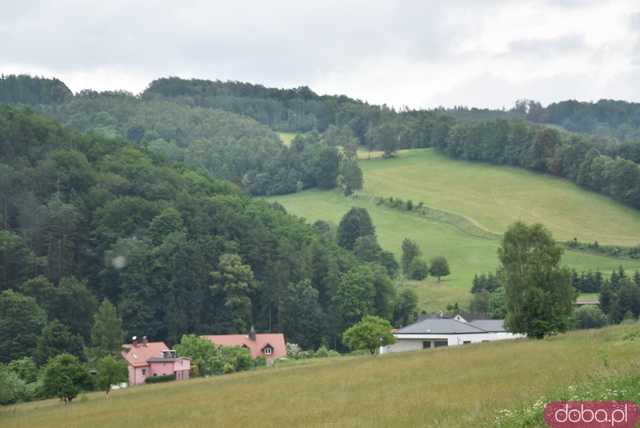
<point>221,143</point>
<point>605,118</point>
<point>25,89</point>
<point>84,218</point>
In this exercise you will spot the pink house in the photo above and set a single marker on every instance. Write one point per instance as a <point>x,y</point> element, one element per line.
<point>269,345</point>
<point>147,359</point>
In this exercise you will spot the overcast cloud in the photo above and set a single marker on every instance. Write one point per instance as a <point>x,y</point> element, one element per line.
<point>413,53</point>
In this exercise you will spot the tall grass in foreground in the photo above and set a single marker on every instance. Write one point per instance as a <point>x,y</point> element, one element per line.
<point>451,387</point>
<point>621,387</point>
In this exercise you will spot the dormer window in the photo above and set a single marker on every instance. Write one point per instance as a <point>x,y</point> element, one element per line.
<point>267,350</point>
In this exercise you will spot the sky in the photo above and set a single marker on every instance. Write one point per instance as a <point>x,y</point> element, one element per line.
<point>419,54</point>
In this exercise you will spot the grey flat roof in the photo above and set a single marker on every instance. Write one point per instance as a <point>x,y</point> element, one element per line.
<point>440,326</point>
<point>489,325</point>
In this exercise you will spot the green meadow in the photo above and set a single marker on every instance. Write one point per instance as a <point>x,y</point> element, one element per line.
<point>286,137</point>
<point>447,387</point>
<point>467,254</point>
<point>495,196</point>
<point>489,197</point>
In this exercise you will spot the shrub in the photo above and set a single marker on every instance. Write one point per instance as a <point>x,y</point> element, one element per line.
<point>369,334</point>
<point>239,358</point>
<point>294,350</point>
<point>25,368</point>
<point>160,379</point>
<point>322,352</point>
<point>11,386</point>
<point>261,361</point>
<point>418,269</point>
<point>590,317</point>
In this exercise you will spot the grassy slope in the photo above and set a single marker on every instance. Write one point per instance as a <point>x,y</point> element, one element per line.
<point>494,197</point>
<point>467,254</point>
<point>287,137</point>
<point>454,387</point>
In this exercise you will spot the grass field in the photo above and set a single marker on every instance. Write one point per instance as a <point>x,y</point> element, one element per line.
<point>467,254</point>
<point>287,137</point>
<point>446,387</point>
<point>494,197</point>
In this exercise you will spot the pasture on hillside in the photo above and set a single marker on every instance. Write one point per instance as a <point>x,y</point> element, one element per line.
<point>446,387</point>
<point>496,196</point>
<point>467,254</point>
<point>287,137</point>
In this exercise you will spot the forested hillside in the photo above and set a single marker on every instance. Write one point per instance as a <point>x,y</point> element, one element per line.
<point>180,119</point>
<point>606,118</point>
<point>25,89</point>
<point>85,218</point>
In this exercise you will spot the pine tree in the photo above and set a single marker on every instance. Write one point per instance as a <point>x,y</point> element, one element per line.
<point>107,333</point>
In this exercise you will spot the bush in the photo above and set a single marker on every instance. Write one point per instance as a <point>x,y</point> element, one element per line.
<point>590,317</point>
<point>25,368</point>
<point>11,386</point>
<point>239,358</point>
<point>418,269</point>
<point>209,359</point>
<point>261,361</point>
<point>160,379</point>
<point>294,350</point>
<point>322,352</point>
<point>369,334</point>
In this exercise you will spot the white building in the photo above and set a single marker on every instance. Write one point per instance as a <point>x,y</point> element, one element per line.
<point>436,332</point>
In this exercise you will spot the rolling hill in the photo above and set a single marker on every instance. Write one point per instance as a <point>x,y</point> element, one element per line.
<point>489,197</point>
<point>452,387</point>
<point>494,197</point>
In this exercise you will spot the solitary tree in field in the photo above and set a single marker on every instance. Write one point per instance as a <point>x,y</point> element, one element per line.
<point>370,333</point>
<point>410,251</point>
<point>64,377</point>
<point>539,295</point>
<point>110,371</point>
<point>439,267</point>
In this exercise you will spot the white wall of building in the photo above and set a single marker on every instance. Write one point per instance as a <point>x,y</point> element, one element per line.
<point>414,342</point>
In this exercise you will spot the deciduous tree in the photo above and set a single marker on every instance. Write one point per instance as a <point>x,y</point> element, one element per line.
<point>539,294</point>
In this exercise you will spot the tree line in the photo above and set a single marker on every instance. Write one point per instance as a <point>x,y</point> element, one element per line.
<point>619,296</point>
<point>220,143</point>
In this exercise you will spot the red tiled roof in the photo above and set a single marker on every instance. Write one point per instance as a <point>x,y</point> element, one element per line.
<point>137,355</point>
<point>276,340</point>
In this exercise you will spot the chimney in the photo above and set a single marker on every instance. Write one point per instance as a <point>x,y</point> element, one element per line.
<point>252,334</point>
<point>145,341</point>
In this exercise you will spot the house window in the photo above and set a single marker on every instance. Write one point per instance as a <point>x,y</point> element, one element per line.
<point>466,342</point>
<point>144,372</point>
<point>268,350</point>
